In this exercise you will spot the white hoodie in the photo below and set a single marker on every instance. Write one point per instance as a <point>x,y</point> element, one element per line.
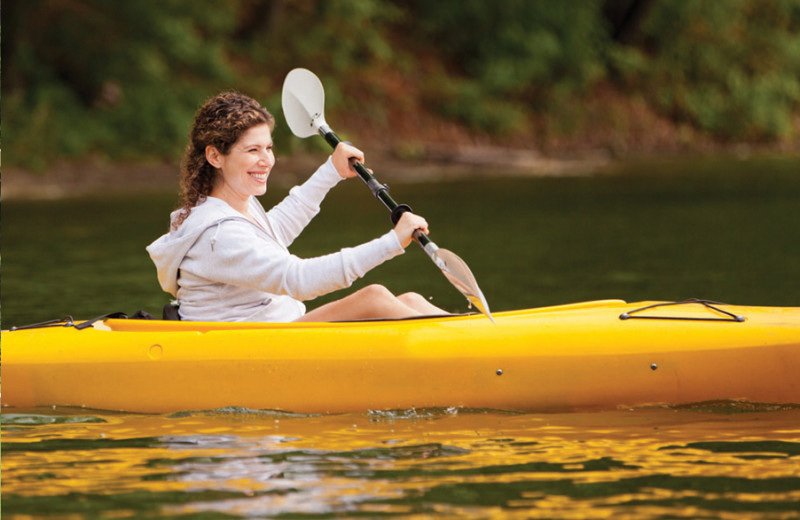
<point>223,267</point>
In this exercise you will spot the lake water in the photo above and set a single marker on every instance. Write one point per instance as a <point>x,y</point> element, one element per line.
<point>704,463</point>
<point>725,230</point>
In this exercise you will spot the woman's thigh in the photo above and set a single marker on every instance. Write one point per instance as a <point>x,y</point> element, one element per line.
<point>373,301</point>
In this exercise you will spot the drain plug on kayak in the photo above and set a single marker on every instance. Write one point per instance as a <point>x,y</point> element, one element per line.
<point>499,372</point>
<point>653,367</point>
<point>155,352</point>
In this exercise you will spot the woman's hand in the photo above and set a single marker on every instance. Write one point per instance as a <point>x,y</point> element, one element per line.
<point>405,227</point>
<point>341,159</point>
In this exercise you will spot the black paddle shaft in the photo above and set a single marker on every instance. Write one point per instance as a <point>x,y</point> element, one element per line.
<point>381,191</point>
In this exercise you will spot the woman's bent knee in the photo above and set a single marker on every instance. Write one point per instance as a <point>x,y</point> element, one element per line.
<point>377,290</point>
<point>376,301</point>
<point>419,303</point>
<point>411,297</point>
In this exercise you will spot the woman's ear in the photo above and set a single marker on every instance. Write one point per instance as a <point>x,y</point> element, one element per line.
<point>213,156</point>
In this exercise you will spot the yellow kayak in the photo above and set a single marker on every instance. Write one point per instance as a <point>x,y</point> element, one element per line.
<point>588,356</point>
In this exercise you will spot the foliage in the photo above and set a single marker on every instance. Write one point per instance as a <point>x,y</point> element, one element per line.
<point>341,39</point>
<point>123,79</point>
<point>88,76</point>
<point>517,47</point>
<point>731,68</point>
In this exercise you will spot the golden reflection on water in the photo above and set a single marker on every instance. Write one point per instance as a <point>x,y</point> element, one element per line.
<point>640,464</point>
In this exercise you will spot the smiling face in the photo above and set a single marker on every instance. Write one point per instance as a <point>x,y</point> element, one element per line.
<point>243,171</point>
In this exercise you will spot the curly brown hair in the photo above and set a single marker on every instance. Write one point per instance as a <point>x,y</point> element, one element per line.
<point>220,122</point>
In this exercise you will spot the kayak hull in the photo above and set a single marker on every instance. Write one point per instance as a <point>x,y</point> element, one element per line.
<point>569,358</point>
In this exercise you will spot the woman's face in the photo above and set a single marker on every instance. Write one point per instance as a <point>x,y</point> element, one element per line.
<point>246,166</point>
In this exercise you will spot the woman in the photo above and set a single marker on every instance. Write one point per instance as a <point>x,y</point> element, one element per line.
<point>226,259</point>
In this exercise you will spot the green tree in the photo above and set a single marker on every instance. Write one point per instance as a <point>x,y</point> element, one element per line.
<point>100,76</point>
<point>123,79</point>
<point>513,55</point>
<point>731,68</point>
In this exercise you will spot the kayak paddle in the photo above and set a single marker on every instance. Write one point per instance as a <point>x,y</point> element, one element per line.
<point>303,101</point>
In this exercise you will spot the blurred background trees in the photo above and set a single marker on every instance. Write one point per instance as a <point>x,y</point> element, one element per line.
<point>122,79</point>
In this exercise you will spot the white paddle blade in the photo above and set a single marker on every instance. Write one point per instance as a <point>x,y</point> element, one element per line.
<point>303,100</point>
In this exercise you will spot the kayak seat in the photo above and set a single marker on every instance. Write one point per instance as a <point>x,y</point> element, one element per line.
<point>170,312</point>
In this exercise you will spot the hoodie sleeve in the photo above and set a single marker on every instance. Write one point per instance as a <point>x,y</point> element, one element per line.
<point>287,219</point>
<point>238,253</point>
<point>167,263</point>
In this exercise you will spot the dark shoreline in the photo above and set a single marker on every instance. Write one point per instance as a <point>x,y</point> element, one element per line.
<point>69,179</point>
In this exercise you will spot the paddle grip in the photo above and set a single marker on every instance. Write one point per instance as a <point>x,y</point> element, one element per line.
<point>418,235</point>
<point>398,212</point>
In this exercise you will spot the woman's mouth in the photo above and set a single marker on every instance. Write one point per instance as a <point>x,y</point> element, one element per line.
<point>259,176</point>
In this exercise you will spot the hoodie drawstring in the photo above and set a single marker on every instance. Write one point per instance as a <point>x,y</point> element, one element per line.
<point>214,238</point>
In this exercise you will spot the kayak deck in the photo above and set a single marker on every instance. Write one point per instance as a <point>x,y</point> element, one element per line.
<point>584,356</point>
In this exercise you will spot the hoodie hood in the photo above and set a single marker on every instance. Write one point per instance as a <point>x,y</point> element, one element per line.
<point>169,250</point>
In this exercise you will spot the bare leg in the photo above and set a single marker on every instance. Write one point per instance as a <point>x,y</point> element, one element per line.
<point>420,304</point>
<point>373,301</point>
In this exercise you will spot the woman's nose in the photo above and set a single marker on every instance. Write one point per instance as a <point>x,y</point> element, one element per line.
<point>266,158</point>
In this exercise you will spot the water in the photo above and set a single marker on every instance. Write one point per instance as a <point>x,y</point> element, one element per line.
<point>719,230</point>
<point>722,230</point>
<point>708,462</point>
